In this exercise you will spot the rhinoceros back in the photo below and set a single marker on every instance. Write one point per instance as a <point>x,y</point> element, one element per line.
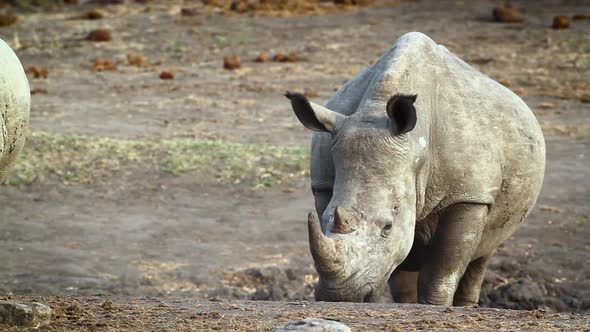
<point>15,101</point>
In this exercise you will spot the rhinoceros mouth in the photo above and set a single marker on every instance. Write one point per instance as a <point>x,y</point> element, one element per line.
<point>364,293</point>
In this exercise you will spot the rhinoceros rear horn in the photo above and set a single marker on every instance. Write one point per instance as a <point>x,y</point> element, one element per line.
<point>311,115</point>
<point>323,248</point>
<point>344,221</point>
<point>400,108</point>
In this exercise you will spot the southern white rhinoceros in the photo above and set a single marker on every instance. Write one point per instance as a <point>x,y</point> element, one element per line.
<point>421,164</point>
<point>15,102</point>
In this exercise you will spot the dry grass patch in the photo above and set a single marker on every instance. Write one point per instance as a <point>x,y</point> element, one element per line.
<point>83,159</point>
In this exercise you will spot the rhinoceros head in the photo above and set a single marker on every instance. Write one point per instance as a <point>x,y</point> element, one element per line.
<point>367,229</point>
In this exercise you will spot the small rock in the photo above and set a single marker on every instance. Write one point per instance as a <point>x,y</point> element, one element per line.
<point>231,62</point>
<point>546,105</point>
<point>73,244</point>
<point>37,91</point>
<point>94,14</point>
<point>227,293</point>
<point>104,64</point>
<point>262,57</point>
<point>506,82</point>
<point>38,72</point>
<point>292,57</point>
<point>167,75</point>
<point>32,314</point>
<point>280,57</point>
<point>189,12</point>
<point>507,13</point>
<point>99,35</point>
<point>354,2</point>
<point>579,17</point>
<point>242,6</point>
<point>74,310</point>
<point>314,325</point>
<point>138,60</point>
<point>561,22</point>
<point>481,61</point>
<point>551,209</point>
<point>7,19</point>
<point>520,91</point>
<point>107,305</point>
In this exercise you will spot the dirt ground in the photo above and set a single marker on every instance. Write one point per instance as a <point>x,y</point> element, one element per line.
<point>131,228</point>
<point>183,314</point>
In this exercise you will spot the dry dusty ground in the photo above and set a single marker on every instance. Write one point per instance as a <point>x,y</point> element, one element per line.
<point>197,186</point>
<point>182,314</point>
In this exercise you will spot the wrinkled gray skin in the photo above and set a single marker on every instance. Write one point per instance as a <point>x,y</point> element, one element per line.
<point>422,207</point>
<point>15,102</point>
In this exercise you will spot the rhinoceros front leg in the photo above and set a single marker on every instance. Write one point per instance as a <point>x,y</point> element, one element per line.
<point>453,246</point>
<point>467,293</point>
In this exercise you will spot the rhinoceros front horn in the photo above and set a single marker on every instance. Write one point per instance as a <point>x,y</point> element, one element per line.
<point>323,248</point>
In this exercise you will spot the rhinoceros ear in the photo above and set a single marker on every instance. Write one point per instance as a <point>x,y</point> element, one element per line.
<point>311,115</point>
<point>400,109</point>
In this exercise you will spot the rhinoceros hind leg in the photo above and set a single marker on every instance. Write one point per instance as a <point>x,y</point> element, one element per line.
<point>467,293</point>
<point>404,286</point>
<point>453,246</point>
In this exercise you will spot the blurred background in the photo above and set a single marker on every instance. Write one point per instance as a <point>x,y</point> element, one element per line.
<point>163,160</point>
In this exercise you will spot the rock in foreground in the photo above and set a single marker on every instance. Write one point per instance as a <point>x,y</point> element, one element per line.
<point>314,325</point>
<point>30,314</point>
<point>507,13</point>
<point>187,314</point>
